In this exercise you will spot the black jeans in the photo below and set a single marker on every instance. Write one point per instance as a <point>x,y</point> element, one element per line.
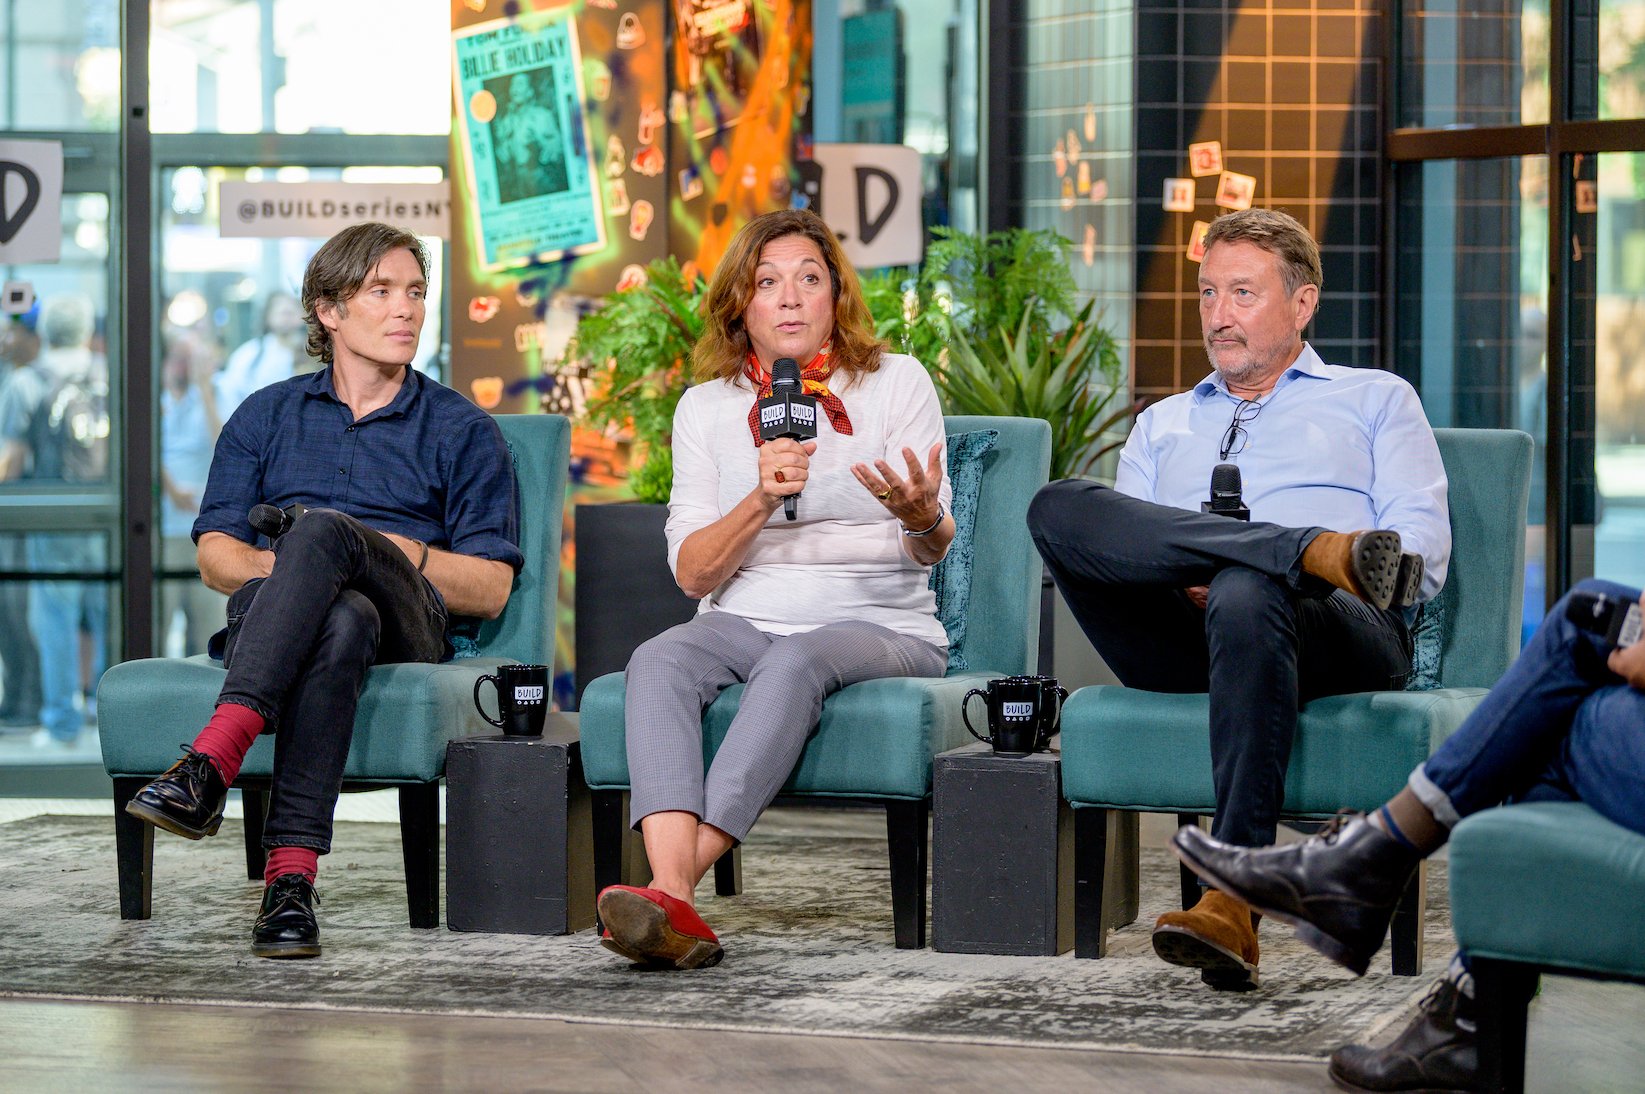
<point>342,598</point>
<point>1270,637</point>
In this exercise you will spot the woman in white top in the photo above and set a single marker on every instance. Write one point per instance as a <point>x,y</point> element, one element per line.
<point>796,609</point>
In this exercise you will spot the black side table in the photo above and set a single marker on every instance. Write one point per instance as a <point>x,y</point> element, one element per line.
<point>519,838</point>
<point>1002,854</point>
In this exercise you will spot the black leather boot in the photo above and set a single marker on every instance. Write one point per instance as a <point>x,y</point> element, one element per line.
<point>286,925</point>
<point>187,800</point>
<point>1338,888</point>
<point>1438,1051</point>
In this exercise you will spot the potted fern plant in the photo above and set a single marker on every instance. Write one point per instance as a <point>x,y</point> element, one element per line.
<point>994,318</point>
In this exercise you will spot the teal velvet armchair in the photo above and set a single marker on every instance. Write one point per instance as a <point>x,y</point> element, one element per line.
<point>876,739</point>
<point>1542,887</point>
<point>406,715</point>
<point>1126,751</point>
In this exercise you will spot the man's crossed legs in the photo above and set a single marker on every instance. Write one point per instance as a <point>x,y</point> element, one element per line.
<point>1283,622</point>
<point>340,599</point>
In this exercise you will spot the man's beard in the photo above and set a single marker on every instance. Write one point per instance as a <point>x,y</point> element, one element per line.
<point>1237,372</point>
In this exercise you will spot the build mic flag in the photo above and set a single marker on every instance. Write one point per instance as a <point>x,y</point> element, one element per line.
<point>787,413</point>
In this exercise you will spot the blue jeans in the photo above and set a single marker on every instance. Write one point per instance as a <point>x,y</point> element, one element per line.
<point>58,610</point>
<point>341,598</point>
<point>1558,726</point>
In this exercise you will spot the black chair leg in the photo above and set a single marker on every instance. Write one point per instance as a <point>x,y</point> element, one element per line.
<point>1124,867</point>
<point>609,837</point>
<point>1502,996</point>
<point>133,852</point>
<point>906,826</point>
<point>1192,890</point>
<point>1090,867</point>
<point>255,805</point>
<point>420,846</point>
<point>1406,930</point>
<point>728,872</point>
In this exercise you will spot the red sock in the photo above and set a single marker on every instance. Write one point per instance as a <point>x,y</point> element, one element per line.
<point>228,737</point>
<point>291,860</point>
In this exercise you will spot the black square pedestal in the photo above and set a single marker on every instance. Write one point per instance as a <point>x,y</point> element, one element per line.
<point>519,838</point>
<point>1002,854</point>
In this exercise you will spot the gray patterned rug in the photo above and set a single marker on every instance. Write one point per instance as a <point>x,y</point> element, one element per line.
<point>808,950</point>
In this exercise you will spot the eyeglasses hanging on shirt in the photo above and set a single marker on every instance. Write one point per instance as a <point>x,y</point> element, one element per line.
<point>1233,441</point>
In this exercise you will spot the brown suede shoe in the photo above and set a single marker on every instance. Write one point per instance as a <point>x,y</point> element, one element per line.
<point>1366,564</point>
<point>1214,936</point>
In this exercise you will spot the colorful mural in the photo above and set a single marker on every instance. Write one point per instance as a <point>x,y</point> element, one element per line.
<point>590,137</point>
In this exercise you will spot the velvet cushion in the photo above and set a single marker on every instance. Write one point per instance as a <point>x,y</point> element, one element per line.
<point>1428,643</point>
<point>951,578</point>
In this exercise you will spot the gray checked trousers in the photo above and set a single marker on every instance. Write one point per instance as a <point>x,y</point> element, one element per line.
<point>675,676</point>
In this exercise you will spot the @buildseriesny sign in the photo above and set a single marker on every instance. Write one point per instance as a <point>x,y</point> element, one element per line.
<point>271,210</point>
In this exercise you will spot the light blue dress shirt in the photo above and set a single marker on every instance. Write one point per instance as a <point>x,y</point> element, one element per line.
<point>1332,447</point>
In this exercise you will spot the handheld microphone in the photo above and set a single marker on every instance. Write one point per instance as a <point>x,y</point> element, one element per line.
<point>1615,620</point>
<point>1225,493</point>
<point>274,522</point>
<point>787,413</point>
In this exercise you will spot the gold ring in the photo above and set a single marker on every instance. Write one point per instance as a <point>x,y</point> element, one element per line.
<point>882,495</point>
<point>779,475</point>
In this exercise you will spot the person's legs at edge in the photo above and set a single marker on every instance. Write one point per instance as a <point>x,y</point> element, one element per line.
<point>1341,887</point>
<point>1601,762</point>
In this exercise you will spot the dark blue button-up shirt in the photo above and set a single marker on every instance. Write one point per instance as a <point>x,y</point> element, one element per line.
<point>430,465</point>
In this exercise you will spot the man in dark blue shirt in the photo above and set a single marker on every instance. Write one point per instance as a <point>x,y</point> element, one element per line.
<point>410,525</point>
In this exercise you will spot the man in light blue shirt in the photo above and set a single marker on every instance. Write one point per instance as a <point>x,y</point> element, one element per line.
<point>1312,594</point>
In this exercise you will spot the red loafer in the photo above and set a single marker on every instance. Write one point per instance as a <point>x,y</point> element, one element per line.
<point>649,927</point>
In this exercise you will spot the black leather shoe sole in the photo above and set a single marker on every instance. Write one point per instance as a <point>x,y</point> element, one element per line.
<point>1347,1083</point>
<point>1221,968</point>
<point>143,811</point>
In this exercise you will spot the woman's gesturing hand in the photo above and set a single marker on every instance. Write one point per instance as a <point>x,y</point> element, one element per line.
<point>911,499</point>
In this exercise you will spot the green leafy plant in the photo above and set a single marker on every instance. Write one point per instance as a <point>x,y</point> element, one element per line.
<point>974,285</point>
<point>957,315</point>
<point>1070,378</point>
<point>637,349</point>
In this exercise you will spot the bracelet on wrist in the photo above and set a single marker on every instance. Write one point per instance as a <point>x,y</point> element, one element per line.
<point>941,513</point>
<point>423,560</point>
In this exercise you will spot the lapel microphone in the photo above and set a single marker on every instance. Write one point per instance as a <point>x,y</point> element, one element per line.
<point>787,413</point>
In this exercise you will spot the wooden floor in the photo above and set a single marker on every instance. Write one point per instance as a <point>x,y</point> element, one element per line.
<point>1586,1037</point>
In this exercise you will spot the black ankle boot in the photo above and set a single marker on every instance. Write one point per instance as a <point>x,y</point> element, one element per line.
<point>1438,1051</point>
<point>1338,888</point>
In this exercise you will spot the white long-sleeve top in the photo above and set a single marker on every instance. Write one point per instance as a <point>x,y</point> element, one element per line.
<point>844,557</point>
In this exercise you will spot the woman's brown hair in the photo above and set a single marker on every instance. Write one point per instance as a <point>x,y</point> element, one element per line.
<point>722,351</point>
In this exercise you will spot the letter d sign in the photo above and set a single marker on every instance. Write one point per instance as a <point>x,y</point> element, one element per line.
<point>31,199</point>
